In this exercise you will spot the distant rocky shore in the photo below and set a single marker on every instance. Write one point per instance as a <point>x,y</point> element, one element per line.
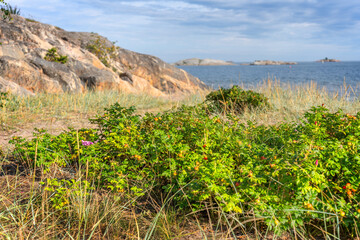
<point>268,62</point>
<point>202,62</point>
<point>328,60</point>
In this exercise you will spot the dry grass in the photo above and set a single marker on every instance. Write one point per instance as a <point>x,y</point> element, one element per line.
<point>56,112</point>
<point>289,102</point>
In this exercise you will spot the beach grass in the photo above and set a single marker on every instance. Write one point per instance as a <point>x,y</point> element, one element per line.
<point>288,102</point>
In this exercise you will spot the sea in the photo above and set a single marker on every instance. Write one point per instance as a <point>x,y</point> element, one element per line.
<point>333,76</point>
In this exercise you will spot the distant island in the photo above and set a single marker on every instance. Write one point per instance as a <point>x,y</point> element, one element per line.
<point>202,62</point>
<point>328,60</point>
<point>269,62</point>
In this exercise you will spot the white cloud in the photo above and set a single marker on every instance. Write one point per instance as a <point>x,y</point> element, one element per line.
<point>233,29</point>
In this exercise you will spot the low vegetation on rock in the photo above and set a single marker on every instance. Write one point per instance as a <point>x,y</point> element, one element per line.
<point>53,56</point>
<point>103,52</point>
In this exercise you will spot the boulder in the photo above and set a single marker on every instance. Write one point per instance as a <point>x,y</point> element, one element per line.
<point>11,87</point>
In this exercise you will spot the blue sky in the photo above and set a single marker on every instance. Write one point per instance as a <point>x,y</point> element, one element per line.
<point>237,30</point>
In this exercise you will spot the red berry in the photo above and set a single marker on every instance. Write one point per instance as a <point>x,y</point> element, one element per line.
<point>263,158</point>
<point>344,187</point>
<point>205,158</point>
<point>237,184</point>
<point>204,146</point>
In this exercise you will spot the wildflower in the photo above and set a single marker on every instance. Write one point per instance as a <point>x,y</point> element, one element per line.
<point>86,143</point>
<point>316,162</point>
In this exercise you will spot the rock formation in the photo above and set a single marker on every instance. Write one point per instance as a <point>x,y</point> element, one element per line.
<point>202,62</point>
<point>268,62</point>
<point>93,63</point>
<point>328,60</point>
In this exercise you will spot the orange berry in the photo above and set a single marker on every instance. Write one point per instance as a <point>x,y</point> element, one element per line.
<point>348,185</point>
<point>358,210</point>
<point>196,168</point>
<point>310,206</point>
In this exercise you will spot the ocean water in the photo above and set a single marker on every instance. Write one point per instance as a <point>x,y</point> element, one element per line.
<point>328,75</point>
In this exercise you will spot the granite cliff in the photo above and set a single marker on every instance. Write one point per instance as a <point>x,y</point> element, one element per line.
<point>93,62</point>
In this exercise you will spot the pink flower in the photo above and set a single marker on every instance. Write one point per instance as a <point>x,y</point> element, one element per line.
<point>316,162</point>
<point>86,143</point>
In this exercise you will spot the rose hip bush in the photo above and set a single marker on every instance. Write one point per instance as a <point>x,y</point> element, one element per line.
<point>289,175</point>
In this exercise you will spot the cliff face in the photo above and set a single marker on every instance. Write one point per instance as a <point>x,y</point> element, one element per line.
<point>93,63</point>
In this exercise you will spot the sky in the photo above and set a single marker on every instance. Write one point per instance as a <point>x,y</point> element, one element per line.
<point>231,30</point>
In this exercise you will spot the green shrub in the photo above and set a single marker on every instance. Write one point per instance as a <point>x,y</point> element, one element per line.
<point>10,10</point>
<point>53,56</point>
<point>102,51</point>
<point>290,175</point>
<point>4,11</point>
<point>235,100</point>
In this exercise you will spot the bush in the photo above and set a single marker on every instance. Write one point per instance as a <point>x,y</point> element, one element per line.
<point>9,10</point>
<point>235,100</point>
<point>289,175</point>
<point>102,51</point>
<point>53,56</point>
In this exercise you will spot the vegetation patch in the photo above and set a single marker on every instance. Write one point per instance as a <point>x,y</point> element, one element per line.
<point>103,52</point>
<point>53,56</point>
<point>287,176</point>
<point>235,100</point>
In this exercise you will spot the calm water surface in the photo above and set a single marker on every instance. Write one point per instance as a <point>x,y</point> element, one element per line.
<point>329,75</point>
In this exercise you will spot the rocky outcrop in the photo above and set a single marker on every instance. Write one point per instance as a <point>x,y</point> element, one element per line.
<point>202,62</point>
<point>93,63</point>
<point>268,62</point>
<point>328,60</point>
<point>7,86</point>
